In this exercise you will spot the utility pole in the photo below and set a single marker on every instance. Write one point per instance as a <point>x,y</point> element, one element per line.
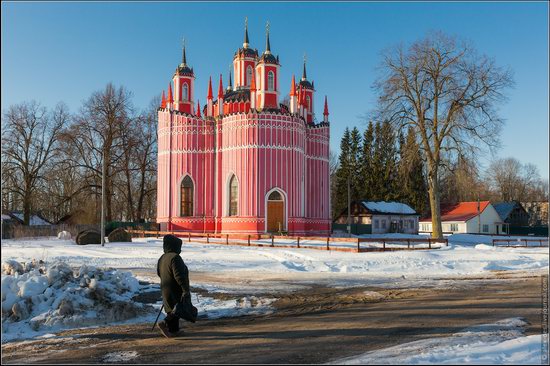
<point>103,198</point>
<point>478,216</point>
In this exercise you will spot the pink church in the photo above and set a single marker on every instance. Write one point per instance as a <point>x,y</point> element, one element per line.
<point>244,163</point>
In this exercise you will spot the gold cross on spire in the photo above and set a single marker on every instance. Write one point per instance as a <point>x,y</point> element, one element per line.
<point>245,22</point>
<point>267,26</point>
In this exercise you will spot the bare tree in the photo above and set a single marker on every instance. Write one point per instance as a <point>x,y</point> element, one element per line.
<point>513,181</point>
<point>97,133</point>
<point>29,142</point>
<point>447,92</point>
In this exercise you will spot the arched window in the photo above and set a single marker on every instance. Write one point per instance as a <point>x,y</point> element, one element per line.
<point>308,101</point>
<point>248,75</point>
<point>275,196</point>
<point>233,196</point>
<point>271,81</point>
<point>186,208</point>
<point>185,92</point>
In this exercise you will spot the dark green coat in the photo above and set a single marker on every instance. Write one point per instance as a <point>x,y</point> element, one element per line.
<point>173,273</point>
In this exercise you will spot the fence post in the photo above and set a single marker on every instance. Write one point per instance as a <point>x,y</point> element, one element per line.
<point>207,238</point>
<point>384,244</point>
<point>358,248</point>
<point>227,239</point>
<point>298,242</point>
<point>446,242</point>
<point>525,242</point>
<point>430,243</point>
<point>328,237</point>
<point>408,243</point>
<point>272,240</point>
<point>189,236</point>
<point>248,239</point>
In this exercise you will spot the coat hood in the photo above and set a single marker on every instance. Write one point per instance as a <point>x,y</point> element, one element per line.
<point>171,244</point>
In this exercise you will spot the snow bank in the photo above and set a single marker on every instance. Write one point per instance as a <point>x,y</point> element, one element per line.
<point>38,297</point>
<point>498,343</point>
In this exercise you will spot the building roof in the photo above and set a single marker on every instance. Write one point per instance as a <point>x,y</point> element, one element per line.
<point>504,209</point>
<point>462,211</point>
<point>35,219</point>
<point>388,208</point>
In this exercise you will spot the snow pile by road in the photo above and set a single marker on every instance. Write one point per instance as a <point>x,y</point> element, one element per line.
<point>40,297</point>
<point>502,342</point>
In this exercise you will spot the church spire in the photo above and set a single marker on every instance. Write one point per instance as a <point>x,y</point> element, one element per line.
<point>220,88</point>
<point>304,75</point>
<point>183,57</point>
<point>267,45</point>
<point>245,43</point>
<point>230,85</point>
<point>209,96</point>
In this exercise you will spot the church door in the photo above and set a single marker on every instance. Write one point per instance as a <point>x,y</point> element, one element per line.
<point>275,212</point>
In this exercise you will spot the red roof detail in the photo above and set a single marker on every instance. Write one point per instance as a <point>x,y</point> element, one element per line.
<point>163,101</point>
<point>293,87</point>
<point>198,108</point>
<point>220,88</point>
<point>170,99</point>
<point>210,88</point>
<point>462,211</point>
<point>325,113</point>
<point>300,96</point>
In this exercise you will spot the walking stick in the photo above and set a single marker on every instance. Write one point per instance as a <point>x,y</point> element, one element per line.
<point>157,319</point>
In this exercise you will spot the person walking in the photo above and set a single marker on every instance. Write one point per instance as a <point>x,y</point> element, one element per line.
<point>174,283</point>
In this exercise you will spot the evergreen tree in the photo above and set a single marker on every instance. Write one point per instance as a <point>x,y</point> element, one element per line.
<point>355,165</point>
<point>340,199</point>
<point>389,184</point>
<point>366,162</point>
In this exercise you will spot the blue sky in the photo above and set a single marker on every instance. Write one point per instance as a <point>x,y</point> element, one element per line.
<point>64,51</point>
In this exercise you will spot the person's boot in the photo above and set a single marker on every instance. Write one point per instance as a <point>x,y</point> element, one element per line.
<point>164,329</point>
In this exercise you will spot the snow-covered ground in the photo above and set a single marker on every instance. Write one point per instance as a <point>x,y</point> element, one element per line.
<point>498,343</point>
<point>466,255</point>
<point>40,298</point>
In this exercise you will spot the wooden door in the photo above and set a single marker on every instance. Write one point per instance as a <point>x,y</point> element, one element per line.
<point>275,215</point>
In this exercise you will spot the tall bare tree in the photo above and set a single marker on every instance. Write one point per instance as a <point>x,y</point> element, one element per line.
<point>448,93</point>
<point>96,138</point>
<point>514,181</point>
<point>30,136</point>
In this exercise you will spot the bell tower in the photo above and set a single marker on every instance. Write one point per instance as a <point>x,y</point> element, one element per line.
<point>184,86</point>
<point>267,77</point>
<point>244,62</point>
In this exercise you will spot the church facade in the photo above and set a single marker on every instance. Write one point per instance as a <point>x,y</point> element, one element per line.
<point>244,162</point>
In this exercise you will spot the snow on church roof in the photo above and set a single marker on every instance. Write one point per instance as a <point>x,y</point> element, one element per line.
<point>388,207</point>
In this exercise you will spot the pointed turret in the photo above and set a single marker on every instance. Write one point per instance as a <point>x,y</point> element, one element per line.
<point>325,112</point>
<point>210,96</point>
<point>245,43</point>
<point>163,101</point>
<point>293,95</point>
<point>209,101</point>
<point>198,108</point>
<point>183,57</point>
<point>304,74</point>
<point>220,88</point>
<point>230,85</point>
<point>170,97</point>
<point>267,45</point>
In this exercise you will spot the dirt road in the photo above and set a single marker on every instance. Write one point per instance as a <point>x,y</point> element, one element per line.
<point>316,326</point>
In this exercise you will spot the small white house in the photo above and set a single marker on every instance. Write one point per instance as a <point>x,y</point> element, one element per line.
<point>384,217</point>
<point>467,217</point>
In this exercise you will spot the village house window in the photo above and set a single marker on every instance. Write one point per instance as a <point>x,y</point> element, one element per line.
<point>186,208</point>
<point>271,81</point>
<point>248,75</point>
<point>185,92</point>
<point>383,224</point>
<point>376,224</point>
<point>233,196</point>
<point>485,228</point>
<point>454,227</point>
<point>411,224</point>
